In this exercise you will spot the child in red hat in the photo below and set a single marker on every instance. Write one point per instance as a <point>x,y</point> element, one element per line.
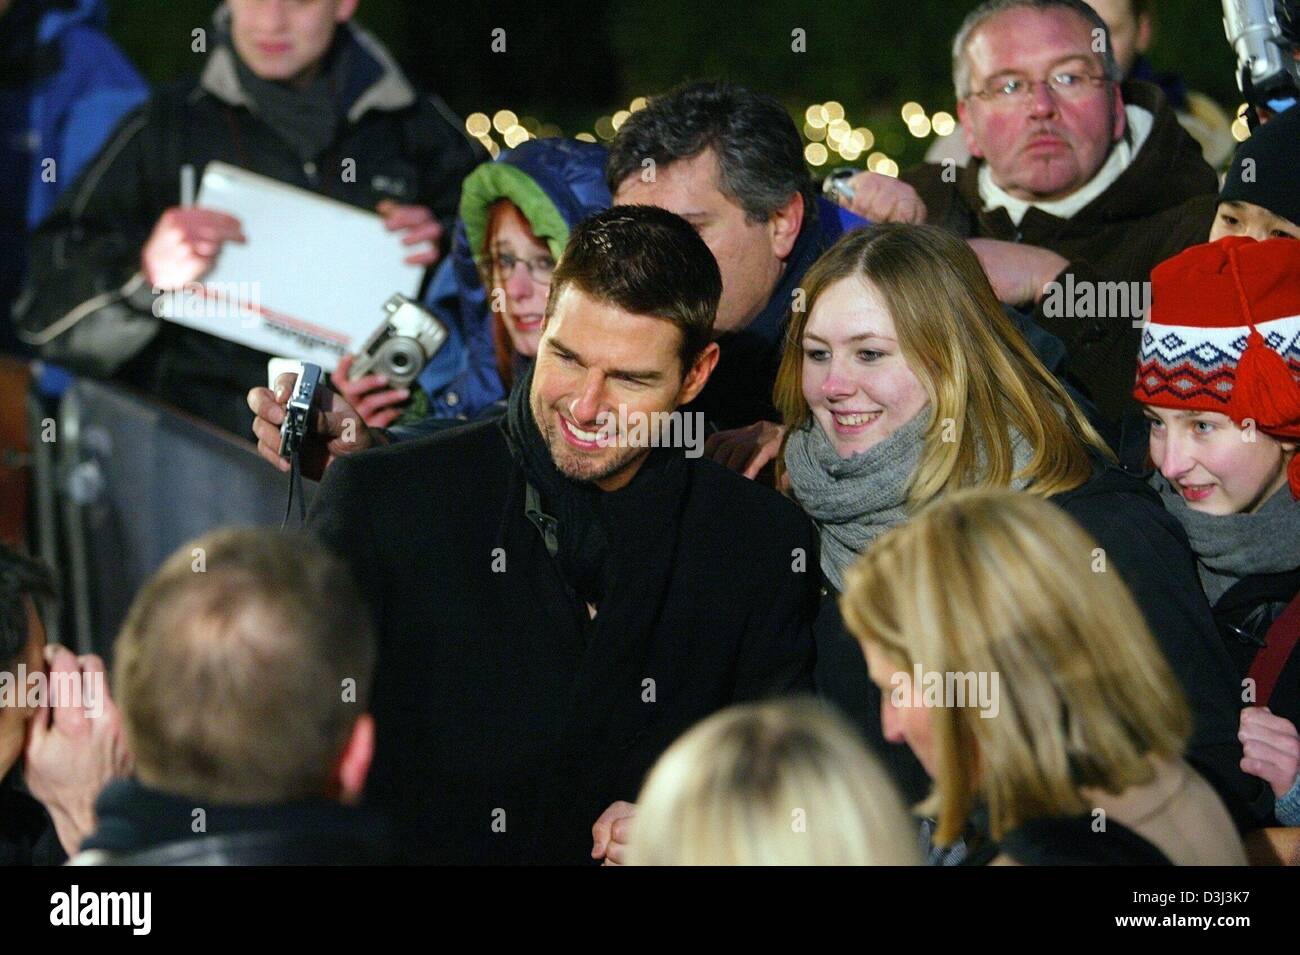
<point>1219,375</point>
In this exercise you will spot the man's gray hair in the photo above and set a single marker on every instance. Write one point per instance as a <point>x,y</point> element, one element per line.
<point>991,8</point>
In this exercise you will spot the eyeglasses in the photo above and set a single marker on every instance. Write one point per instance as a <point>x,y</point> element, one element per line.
<point>539,269</point>
<point>1016,90</point>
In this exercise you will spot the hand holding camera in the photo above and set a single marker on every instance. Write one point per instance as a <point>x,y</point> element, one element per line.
<point>393,356</point>
<point>332,427</point>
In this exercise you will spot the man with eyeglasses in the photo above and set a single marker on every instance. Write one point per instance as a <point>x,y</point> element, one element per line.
<point>1077,182</point>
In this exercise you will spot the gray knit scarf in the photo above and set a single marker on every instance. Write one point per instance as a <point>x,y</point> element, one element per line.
<point>1229,547</point>
<point>856,499</point>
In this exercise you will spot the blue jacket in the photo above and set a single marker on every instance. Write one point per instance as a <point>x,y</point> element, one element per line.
<point>81,88</point>
<point>562,182</point>
<point>67,88</point>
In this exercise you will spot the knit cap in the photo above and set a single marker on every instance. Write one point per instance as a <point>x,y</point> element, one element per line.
<point>1223,335</point>
<point>1265,168</point>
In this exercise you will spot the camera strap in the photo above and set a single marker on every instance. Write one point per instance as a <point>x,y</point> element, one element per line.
<point>295,488</point>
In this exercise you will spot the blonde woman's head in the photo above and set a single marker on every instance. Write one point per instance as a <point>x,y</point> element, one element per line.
<point>1005,593</point>
<point>898,321</point>
<point>778,783</point>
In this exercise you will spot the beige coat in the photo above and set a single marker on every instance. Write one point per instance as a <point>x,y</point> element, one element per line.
<point>1179,813</point>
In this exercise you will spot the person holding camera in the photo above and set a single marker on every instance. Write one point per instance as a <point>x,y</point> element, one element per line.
<point>542,583</point>
<point>288,90</point>
<point>490,293</point>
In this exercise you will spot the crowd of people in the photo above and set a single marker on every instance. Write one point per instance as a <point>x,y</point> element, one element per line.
<point>988,551</point>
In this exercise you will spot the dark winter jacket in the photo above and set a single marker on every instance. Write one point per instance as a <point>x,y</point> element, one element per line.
<point>1147,547</point>
<point>1163,203</point>
<point>1246,615</point>
<point>64,88</point>
<point>27,835</point>
<point>86,255</point>
<point>138,825</point>
<point>507,719</point>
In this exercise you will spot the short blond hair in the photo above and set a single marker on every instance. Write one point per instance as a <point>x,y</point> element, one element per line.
<point>232,668</point>
<point>1000,582</point>
<point>777,783</point>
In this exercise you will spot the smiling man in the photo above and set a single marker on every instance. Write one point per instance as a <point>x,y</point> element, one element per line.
<point>555,607</point>
<point>1076,179</point>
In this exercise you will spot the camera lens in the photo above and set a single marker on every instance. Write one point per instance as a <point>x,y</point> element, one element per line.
<point>401,359</point>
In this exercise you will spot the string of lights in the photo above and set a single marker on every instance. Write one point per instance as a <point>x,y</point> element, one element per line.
<point>826,130</point>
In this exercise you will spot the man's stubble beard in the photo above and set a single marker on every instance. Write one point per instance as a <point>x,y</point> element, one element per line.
<point>572,463</point>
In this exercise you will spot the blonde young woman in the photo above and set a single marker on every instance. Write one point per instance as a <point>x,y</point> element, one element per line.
<point>1078,758</point>
<point>777,783</point>
<point>903,381</point>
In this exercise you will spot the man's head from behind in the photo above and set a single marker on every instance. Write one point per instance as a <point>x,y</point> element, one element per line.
<point>243,673</point>
<point>1038,94</point>
<point>730,162</point>
<point>629,328</point>
<point>285,40</point>
<point>22,643</point>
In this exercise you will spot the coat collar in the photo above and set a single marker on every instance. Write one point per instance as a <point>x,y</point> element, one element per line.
<point>1167,170</point>
<point>389,92</point>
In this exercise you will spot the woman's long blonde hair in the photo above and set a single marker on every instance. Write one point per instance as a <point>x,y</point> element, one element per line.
<point>777,783</point>
<point>999,582</point>
<point>980,375</point>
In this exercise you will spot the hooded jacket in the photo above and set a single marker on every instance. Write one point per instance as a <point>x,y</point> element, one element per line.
<point>555,183</point>
<point>1161,204</point>
<point>65,87</point>
<point>85,303</point>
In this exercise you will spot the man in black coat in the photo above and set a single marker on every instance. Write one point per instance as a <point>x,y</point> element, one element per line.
<point>302,96</point>
<point>558,601</point>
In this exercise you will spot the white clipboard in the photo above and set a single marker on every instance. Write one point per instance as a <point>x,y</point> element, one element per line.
<point>309,282</point>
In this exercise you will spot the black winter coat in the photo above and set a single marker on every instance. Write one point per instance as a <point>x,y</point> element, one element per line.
<point>1245,613</point>
<point>1148,548</point>
<point>406,148</point>
<point>507,719</point>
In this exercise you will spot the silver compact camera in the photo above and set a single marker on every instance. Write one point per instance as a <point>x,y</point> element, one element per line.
<point>296,413</point>
<point>402,344</point>
<point>836,185</point>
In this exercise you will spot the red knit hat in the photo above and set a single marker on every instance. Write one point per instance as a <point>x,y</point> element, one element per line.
<point>1223,335</point>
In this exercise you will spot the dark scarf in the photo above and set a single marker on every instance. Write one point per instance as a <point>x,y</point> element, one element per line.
<point>307,119</point>
<point>591,521</point>
<point>1229,547</point>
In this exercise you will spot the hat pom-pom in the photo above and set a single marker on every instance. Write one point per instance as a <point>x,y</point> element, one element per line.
<point>1265,388</point>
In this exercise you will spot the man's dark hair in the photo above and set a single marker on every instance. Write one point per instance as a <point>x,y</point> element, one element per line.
<point>19,577</point>
<point>759,152</point>
<point>647,261</point>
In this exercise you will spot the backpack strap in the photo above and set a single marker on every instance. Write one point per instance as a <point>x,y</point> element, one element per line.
<point>1279,642</point>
